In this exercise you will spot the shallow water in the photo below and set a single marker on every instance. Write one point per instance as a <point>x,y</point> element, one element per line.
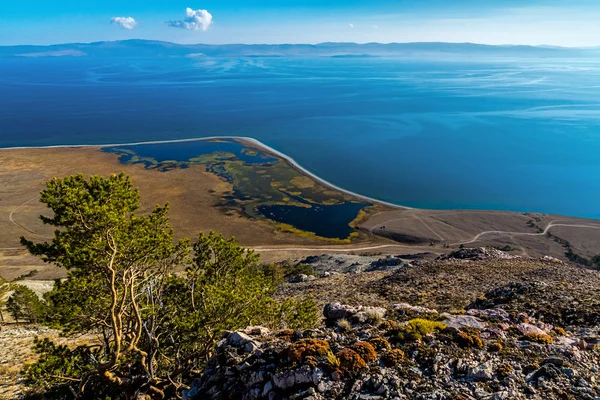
<point>185,151</point>
<point>517,135</point>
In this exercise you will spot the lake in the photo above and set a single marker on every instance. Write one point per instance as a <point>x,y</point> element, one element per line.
<point>518,135</point>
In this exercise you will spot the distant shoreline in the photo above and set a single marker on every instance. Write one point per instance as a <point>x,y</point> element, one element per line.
<point>250,142</point>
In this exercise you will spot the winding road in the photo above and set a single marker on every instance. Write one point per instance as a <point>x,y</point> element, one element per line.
<point>551,225</point>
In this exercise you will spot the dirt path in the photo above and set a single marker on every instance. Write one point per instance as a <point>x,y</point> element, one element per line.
<point>12,214</point>
<point>328,249</point>
<point>550,226</point>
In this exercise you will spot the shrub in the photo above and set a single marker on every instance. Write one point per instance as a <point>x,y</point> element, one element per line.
<point>469,339</point>
<point>4,290</point>
<point>350,362</point>
<point>344,325</point>
<point>25,305</point>
<point>299,351</point>
<point>540,338</point>
<point>374,318</point>
<point>293,270</point>
<point>333,363</point>
<point>418,327</point>
<point>165,323</point>
<point>297,314</point>
<point>392,358</point>
<point>380,344</point>
<point>365,350</point>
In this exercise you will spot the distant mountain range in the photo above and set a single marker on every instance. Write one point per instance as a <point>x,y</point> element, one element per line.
<point>150,48</point>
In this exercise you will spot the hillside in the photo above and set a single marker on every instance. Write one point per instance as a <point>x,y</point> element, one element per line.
<point>493,327</point>
<point>151,48</point>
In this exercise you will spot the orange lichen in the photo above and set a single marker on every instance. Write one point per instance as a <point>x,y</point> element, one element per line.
<point>299,351</point>
<point>535,337</point>
<point>392,358</point>
<point>350,362</point>
<point>380,344</point>
<point>365,350</point>
<point>495,347</point>
<point>469,339</point>
<point>504,370</point>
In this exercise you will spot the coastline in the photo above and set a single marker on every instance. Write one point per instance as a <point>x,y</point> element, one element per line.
<point>247,141</point>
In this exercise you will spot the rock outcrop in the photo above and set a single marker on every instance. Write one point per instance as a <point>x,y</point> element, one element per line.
<point>484,353</point>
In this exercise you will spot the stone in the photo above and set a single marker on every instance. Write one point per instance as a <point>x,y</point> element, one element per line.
<point>301,278</point>
<point>495,314</point>
<point>556,361</point>
<point>257,331</point>
<point>525,328</point>
<point>503,395</point>
<point>251,346</point>
<point>483,372</point>
<point>335,311</point>
<point>238,339</point>
<point>189,394</point>
<point>284,380</point>
<point>463,321</point>
<point>415,309</point>
<point>267,388</point>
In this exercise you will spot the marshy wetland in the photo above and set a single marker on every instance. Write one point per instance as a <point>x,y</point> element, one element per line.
<point>263,186</point>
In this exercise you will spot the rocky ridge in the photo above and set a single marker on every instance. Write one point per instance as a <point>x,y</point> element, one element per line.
<point>411,353</point>
<point>478,324</point>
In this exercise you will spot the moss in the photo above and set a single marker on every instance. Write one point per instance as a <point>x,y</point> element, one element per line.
<point>311,361</point>
<point>380,344</point>
<point>393,358</point>
<point>391,327</point>
<point>537,338</point>
<point>418,327</point>
<point>365,350</point>
<point>495,347</point>
<point>299,351</point>
<point>531,367</point>
<point>285,332</point>
<point>504,370</point>
<point>351,362</point>
<point>560,331</point>
<point>466,339</point>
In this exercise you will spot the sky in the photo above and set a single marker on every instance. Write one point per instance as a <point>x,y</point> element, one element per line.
<point>535,22</point>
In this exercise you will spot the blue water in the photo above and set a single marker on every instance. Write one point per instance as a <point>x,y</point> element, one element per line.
<point>518,135</point>
<point>329,221</point>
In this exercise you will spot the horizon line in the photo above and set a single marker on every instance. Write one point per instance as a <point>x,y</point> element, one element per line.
<point>299,44</point>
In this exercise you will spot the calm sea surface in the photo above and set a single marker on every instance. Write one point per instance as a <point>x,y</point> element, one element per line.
<point>514,135</point>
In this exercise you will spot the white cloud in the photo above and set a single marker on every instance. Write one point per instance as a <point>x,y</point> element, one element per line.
<point>351,26</point>
<point>124,22</point>
<point>195,20</point>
